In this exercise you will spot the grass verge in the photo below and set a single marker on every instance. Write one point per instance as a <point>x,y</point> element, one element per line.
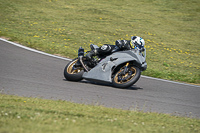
<point>170,28</point>
<point>22,115</point>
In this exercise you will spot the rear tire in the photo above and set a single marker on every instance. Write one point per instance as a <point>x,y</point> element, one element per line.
<point>73,73</point>
<point>127,80</point>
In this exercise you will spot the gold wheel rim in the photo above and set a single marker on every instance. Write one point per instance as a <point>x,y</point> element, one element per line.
<point>70,69</point>
<point>122,82</point>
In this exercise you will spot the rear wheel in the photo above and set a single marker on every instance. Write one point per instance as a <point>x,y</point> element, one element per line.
<point>126,78</point>
<point>72,72</point>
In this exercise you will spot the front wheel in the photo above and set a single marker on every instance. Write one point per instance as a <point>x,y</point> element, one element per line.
<point>73,72</point>
<point>126,78</point>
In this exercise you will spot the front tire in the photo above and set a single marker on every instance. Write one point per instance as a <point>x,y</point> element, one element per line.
<point>128,79</point>
<point>73,73</point>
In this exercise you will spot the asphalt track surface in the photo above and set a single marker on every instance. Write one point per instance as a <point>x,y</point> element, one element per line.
<point>32,74</point>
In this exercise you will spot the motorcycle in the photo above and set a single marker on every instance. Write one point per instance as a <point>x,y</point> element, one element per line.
<point>121,68</point>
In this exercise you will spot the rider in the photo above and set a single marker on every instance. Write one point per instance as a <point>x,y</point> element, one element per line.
<point>136,42</point>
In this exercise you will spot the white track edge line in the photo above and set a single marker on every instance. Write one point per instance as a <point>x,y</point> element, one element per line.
<point>169,81</point>
<point>34,50</point>
<point>40,52</point>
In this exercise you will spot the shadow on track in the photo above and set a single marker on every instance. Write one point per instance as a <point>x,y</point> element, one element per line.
<point>133,87</point>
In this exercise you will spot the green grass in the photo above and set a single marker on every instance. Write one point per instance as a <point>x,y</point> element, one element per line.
<point>171,31</point>
<point>31,115</point>
<point>170,28</point>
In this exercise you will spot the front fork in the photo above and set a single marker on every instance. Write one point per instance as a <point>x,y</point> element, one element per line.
<point>127,64</point>
<point>126,68</point>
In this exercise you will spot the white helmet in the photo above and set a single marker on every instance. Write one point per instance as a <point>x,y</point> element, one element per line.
<point>137,42</point>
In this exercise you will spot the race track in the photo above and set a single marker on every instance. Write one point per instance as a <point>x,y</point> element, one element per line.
<point>31,74</point>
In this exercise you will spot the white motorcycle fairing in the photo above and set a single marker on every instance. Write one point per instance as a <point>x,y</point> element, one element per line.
<point>103,70</point>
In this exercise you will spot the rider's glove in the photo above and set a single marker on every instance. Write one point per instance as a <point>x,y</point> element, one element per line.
<point>89,55</point>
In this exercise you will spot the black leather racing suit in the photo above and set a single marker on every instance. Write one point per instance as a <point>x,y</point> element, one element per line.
<point>107,49</point>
